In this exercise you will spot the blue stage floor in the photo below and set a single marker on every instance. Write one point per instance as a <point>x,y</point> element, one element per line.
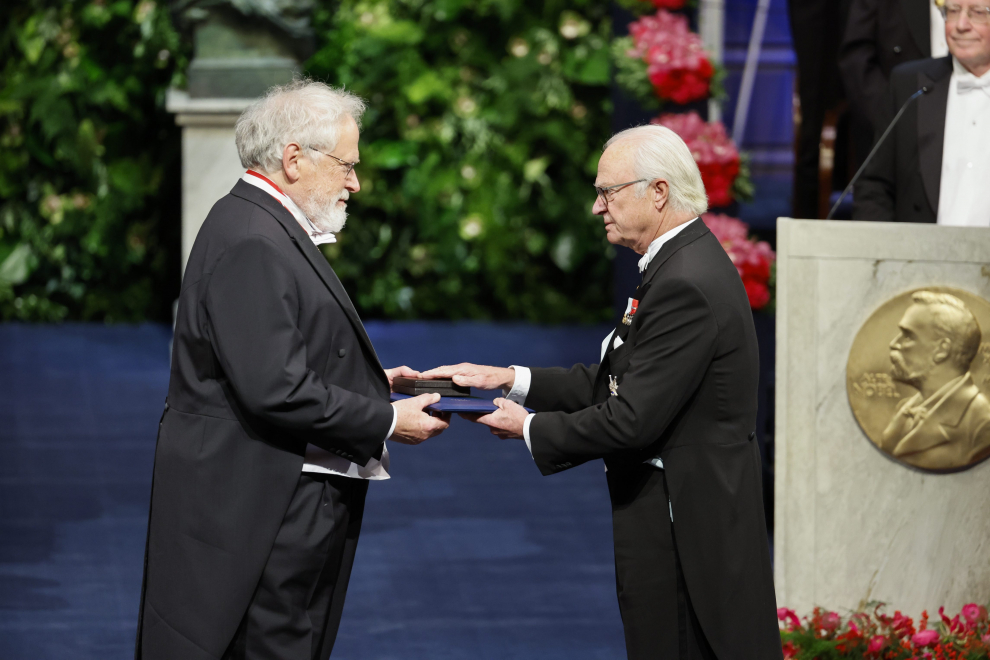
<point>466,553</point>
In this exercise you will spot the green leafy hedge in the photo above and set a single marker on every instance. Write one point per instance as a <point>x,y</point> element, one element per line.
<point>478,154</point>
<point>486,119</point>
<point>88,161</point>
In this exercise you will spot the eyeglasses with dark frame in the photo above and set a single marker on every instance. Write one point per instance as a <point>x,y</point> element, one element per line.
<point>976,15</point>
<point>603,191</point>
<point>349,166</point>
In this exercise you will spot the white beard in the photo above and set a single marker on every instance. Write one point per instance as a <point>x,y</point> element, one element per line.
<point>324,212</point>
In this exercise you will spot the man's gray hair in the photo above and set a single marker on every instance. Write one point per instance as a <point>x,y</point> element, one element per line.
<point>661,154</point>
<point>303,111</point>
<point>953,320</point>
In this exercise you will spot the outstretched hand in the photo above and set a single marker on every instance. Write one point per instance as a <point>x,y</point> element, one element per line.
<point>400,372</point>
<point>413,425</point>
<point>474,375</point>
<point>506,422</point>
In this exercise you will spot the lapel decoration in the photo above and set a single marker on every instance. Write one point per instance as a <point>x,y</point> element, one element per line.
<point>631,307</point>
<point>613,385</point>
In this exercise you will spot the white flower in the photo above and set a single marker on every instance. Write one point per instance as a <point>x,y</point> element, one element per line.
<point>519,47</point>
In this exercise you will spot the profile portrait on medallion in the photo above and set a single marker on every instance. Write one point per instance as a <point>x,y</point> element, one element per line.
<point>920,396</point>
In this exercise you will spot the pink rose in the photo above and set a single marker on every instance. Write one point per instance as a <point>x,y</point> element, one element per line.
<point>830,621</point>
<point>972,612</point>
<point>877,642</point>
<point>925,638</point>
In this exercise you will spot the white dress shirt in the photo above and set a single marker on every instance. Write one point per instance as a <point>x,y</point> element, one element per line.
<point>320,460</point>
<point>964,189</point>
<point>524,377</point>
<point>936,32</point>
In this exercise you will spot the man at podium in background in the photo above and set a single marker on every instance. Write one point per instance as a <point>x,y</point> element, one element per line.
<point>935,167</point>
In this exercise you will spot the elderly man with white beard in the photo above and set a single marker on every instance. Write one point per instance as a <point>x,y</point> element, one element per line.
<point>278,408</point>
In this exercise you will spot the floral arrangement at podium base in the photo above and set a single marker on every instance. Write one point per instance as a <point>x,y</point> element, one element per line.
<point>875,635</point>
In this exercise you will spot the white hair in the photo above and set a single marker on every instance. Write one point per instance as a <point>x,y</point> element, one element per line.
<point>661,154</point>
<point>303,111</point>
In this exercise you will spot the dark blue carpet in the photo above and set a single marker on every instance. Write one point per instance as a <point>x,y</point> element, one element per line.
<point>466,553</point>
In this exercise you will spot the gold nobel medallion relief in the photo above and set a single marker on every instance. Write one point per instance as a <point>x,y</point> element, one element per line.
<point>918,378</point>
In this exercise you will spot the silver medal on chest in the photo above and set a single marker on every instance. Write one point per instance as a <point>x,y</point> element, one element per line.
<point>613,385</point>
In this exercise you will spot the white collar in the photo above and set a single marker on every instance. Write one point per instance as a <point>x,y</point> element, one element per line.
<point>961,72</point>
<point>264,183</point>
<point>658,242</point>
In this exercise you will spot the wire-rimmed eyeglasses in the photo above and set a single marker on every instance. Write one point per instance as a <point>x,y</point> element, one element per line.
<point>349,167</point>
<point>976,15</point>
<point>604,190</point>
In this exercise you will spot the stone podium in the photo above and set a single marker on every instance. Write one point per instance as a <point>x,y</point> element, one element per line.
<point>210,164</point>
<point>852,524</point>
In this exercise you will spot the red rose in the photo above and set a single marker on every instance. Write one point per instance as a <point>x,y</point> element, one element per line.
<point>903,625</point>
<point>758,294</point>
<point>668,4</point>
<point>757,267</point>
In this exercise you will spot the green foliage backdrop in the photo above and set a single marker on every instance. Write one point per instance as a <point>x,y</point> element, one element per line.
<point>486,119</point>
<point>88,160</point>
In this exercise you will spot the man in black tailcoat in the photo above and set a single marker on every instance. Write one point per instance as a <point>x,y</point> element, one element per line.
<point>935,164</point>
<point>671,408</point>
<point>278,408</point>
<point>879,35</point>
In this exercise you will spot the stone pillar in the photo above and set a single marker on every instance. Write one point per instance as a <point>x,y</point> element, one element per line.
<point>210,165</point>
<point>240,49</point>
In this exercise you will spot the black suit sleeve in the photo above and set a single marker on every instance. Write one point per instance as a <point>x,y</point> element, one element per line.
<point>859,62</point>
<point>875,194</point>
<point>674,348</point>
<point>566,390</point>
<point>251,304</point>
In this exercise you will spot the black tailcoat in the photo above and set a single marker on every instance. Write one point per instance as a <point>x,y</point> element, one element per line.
<point>902,182</point>
<point>880,35</point>
<point>687,392</point>
<point>269,354</point>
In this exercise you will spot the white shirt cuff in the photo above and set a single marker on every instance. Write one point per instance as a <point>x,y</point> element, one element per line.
<point>529,419</point>
<point>520,386</point>
<point>395,418</point>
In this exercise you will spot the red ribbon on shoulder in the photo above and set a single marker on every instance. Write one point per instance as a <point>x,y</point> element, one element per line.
<point>266,180</point>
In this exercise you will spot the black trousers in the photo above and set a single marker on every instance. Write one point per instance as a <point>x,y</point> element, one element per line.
<point>296,608</point>
<point>657,616</point>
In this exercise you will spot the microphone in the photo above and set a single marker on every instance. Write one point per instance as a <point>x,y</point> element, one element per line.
<point>890,127</point>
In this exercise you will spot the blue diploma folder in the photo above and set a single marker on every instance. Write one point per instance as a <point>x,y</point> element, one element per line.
<point>457,404</point>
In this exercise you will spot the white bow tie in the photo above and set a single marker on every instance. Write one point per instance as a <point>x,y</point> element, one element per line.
<point>967,85</point>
